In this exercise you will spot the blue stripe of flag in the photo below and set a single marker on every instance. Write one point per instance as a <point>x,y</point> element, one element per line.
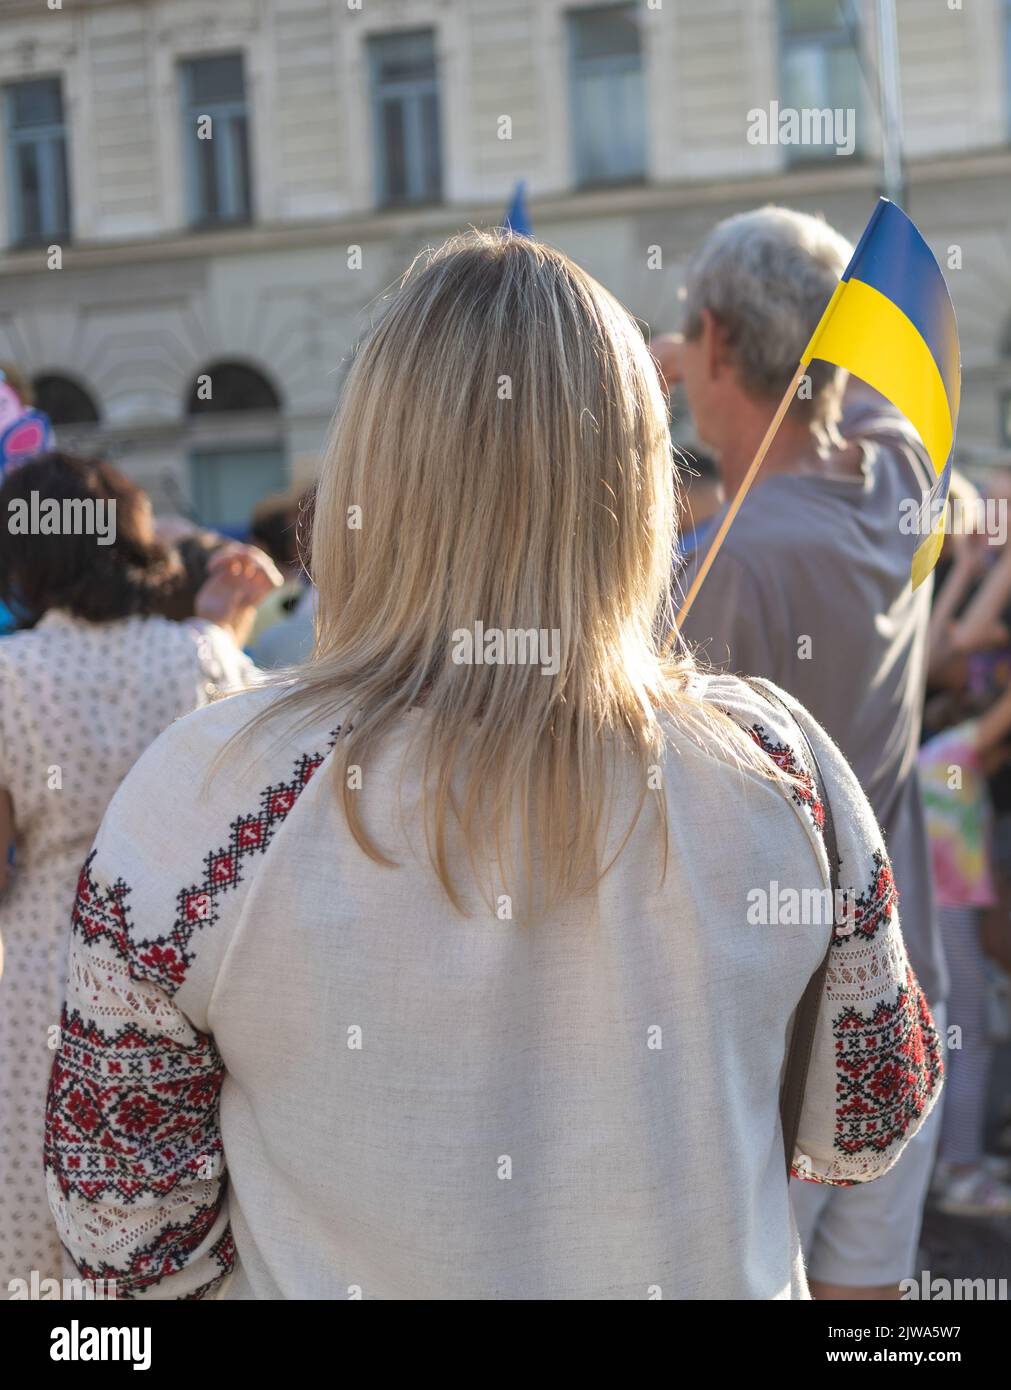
<point>893,259</point>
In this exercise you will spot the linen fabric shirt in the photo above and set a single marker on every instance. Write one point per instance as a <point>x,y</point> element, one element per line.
<point>287,1071</point>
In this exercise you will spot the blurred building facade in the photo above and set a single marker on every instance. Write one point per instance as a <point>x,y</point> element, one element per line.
<point>201,202</point>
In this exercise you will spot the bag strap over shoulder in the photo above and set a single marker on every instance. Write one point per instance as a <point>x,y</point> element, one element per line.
<point>805,1019</point>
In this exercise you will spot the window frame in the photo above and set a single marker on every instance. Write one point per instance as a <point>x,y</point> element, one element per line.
<point>44,138</point>
<point>227,156</point>
<point>411,94</point>
<point>825,38</point>
<point>613,64</point>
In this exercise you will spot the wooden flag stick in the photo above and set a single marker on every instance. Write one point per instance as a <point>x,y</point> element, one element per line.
<point>735,505</point>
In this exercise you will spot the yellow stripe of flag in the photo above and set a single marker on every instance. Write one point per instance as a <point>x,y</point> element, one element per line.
<point>868,335</point>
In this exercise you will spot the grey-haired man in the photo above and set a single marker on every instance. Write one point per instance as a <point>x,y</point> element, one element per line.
<point>811,589</point>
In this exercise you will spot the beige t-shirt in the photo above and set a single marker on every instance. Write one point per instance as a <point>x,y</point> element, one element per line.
<point>283,1062</point>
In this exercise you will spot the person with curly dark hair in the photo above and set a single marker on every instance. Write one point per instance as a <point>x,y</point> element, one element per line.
<point>94,674</point>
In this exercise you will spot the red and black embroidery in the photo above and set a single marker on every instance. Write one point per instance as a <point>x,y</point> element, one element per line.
<point>131,1114</point>
<point>873,908</point>
<point>888,1065</point>
<point>803,788</point>
<point>167,1253</point>
<point>164,960</point>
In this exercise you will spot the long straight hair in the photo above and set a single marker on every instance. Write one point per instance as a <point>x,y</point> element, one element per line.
<point>501,456</point>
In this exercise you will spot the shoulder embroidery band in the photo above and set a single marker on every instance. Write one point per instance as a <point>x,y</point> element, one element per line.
<point>802,789</point>
<point>163,960</point>
<point>873,907</point>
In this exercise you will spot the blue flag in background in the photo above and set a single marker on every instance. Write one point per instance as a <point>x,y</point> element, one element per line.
<point>517,218</point>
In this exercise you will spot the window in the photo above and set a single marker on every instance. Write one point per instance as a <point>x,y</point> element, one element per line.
<point>405,109</point>
<point>217,141</point>
<point>232,469</point>
<point>37,162</point>
<point>819,65</point>
<point>227,483</point>
<point>65,401</point>
<point>608,102</point>
<point>231,386</point>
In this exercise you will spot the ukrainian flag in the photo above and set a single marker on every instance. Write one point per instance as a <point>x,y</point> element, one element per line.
<point>891,322</point>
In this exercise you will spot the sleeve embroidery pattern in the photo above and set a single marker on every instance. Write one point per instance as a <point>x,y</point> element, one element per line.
<point>888,1063</point>
<point>132,1137</point>
<point>888,1054</point>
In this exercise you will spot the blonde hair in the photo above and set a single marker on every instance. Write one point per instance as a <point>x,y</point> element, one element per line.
<point>503,431</point>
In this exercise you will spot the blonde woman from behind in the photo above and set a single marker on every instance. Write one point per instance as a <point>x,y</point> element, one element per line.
<point>453,965</point>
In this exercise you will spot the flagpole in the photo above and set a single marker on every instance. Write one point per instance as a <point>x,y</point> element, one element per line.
<point>739,497</point>
<point>891,101</point>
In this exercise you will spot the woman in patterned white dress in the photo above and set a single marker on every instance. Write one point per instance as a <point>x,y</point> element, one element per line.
<point>83,691</point>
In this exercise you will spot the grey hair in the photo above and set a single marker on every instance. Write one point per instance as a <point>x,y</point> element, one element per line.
<point>767,276</point>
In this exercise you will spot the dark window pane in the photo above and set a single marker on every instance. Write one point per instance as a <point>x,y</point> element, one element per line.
<point>243,180</point>
<point>27,157</point>
<point>605,33</point>
<point>216,79</point>
<point>36,103</point>
<point>64,401</point>
<point>430,145</point>
<point>233,386</point>
<point>61,219</point>
<point>207,180</point>
<point>394,150</point>
<point>404,57</point>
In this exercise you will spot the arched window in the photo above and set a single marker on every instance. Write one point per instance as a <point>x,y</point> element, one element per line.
<point>64,400</point>
<point>237,454</point>
<point>231,386</point>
